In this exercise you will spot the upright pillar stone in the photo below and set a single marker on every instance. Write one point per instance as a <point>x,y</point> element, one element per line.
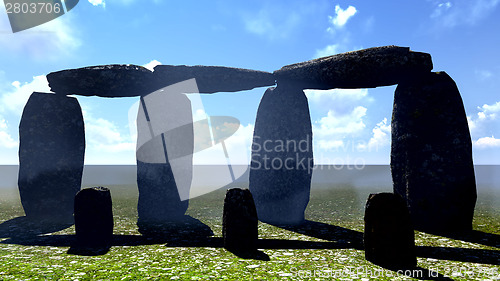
<point>51,155</point>
<point>431,157</point>
<point>164,158</point>
<point>282,155</point>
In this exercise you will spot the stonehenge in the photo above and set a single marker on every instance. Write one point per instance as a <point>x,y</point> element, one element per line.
<point>431,153</point>
<point>111,81</point>
<point>51,153</point>
<point>116,81</point>
<point>431,158</point>
<point>213,79</point>
<point>282,159</point>
<point>165,145</point>
<point>368,68</point>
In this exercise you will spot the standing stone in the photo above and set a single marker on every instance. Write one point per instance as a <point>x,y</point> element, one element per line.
<point>239,221</point>
<point>431,157</point>
<point>93,217</point>
<point>165,145</point>
<point>389,238</point>
<point>51,154</point>
<point>282,156</point>
<point>159,200</point>
<point>368,68</point>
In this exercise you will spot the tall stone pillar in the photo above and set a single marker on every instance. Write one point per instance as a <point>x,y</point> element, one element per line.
<point>282,156</point>
<point>164,154</point>
<point>51,156</point>
<point>431,157</point>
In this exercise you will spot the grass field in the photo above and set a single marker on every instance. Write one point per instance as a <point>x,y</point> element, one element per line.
<point>328,246</point>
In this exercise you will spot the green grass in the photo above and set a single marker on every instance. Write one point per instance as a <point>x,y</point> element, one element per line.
<point>300,254</point>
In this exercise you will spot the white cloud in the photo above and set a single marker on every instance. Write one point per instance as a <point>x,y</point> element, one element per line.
<point>345,113</point>
<point>484,74</point>
<point>487,142</point>
<point>238,149</point>
<point>328,51</point>
<point>53,40</point>
<point>462,12</point>
<point>483,120</point>
<point>18,94</point>
<point>342,124</point>
<point>341,46</point>
<point>341,17</point>
<point>151,65</point>
<point>272,24</point>
<point>98,3</point>
<point>381,137</point>
<point>12,103</point>
<point>6,140</point>
<point>485,123</point>
<point>342,101</point>
<point>121,2</point>
<point>329,131</point>
<point>104,135</point>
<point>440,8</point>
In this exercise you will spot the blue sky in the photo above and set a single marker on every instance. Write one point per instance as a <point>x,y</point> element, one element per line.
<point>350,126</point>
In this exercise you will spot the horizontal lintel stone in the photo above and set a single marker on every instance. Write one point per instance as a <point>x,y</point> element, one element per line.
<point>368,68</point>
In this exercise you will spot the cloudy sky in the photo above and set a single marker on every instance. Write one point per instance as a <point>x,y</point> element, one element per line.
<point>350,126</point>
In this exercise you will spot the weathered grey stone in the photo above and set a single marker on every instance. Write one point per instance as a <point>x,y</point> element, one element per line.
<point>159,200</point>
<point>165,139</point>
<point>389,239</point>
<point>282,156</point>
<point>51,154</point>
<point>94,217</point>
<point>431,157</point>
<point>368,68</point>
<point>239,221</point>
<point>103,80</point>
<point>212,79</point>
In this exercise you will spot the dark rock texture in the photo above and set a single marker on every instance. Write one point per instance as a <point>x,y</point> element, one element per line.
<point>159,201</point>
<point>239,221</point>
<point>93,217</point>
<point>389,238</point>
<point>282,156</point>
<point>212,79</point>
<point>368,68</point>
<point>164,158</point>
<point>431,157</point>
<point>103,80</point>
<point>51,154</point>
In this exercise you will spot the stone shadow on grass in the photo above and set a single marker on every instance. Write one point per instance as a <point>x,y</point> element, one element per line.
<point>26,228</point>
<point>460,254</point>
<point>474,236</point>
<point>184,226</point>
<point>343,236</point>
<point>250,255</point>
<point>186,229</point>
<point>88,251</point>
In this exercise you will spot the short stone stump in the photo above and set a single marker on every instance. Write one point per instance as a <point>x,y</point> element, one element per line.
<point>93,217</point>
<point>239,221</point>
<point>389,238</point>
